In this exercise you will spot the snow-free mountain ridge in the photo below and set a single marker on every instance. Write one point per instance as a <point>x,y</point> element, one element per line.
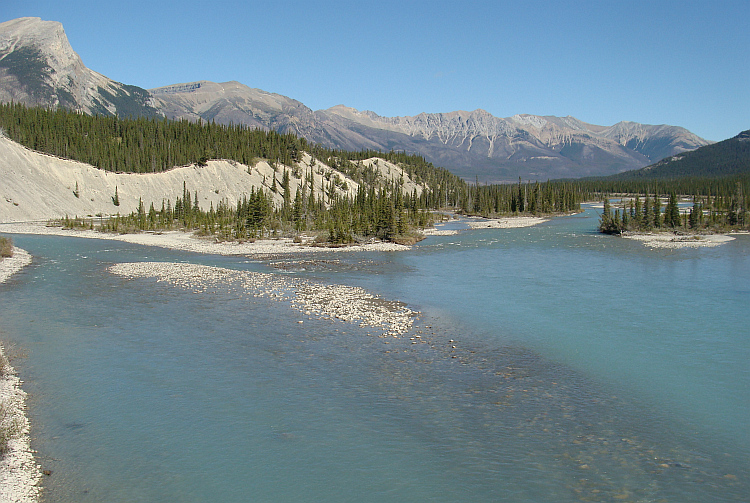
<point>39,67</point>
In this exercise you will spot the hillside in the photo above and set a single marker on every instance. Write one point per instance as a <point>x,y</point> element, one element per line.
<point>530,146</point>
<point>725,158</point>
<point>39,67</point>
<point>39,187</point>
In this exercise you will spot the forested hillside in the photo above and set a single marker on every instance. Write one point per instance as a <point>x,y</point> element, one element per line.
<point>150,145</point>
<point>725,158</point>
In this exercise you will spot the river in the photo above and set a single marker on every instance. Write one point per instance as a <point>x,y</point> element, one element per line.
<point>552,364</point>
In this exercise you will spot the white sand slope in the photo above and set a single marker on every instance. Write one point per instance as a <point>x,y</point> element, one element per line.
<point>35,186</point>
<point>393,173</point>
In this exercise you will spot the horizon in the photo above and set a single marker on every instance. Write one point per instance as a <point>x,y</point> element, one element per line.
<point>664,62</point>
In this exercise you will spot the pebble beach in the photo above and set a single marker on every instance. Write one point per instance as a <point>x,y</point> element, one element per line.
<point>335,302</point>
<point>19,473</point>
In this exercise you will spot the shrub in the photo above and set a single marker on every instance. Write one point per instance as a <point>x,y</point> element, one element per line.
<point>6,247</point>
<point>408,239</point>
<point>10,428</point>
<point>9,425</point>
<point>4,365</point>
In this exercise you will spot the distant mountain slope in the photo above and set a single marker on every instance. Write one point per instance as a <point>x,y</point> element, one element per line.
<point>725,158</point>
<point>39,67</point>
<point>529,146</point>
<point>230,102</point>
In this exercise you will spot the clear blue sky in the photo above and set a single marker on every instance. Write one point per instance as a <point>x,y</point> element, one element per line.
<point>684,63</point>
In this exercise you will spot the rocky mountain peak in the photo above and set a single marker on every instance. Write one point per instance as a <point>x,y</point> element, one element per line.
<point>38,66</point>
<point>48,37</point>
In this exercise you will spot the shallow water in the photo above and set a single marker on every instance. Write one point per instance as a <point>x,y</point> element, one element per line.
<point>587,368</point>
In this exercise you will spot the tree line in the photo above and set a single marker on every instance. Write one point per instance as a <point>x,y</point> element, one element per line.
<point>385,213</point>
<point>380,209</point>
<point>547,198</point>
<point>719,213</point>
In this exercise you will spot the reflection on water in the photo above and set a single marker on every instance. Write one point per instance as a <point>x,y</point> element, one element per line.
<point>143,391</point>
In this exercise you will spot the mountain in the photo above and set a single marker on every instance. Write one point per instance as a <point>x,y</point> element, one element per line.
<point>529,146</point>
<point>230,102</point>
<point>468,143</point>
<point>38,67</point>
<point>725,158</point>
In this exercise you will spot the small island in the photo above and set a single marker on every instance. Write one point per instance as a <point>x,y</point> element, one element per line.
<point>658,225</point>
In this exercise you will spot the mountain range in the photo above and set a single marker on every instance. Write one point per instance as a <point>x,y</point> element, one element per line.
<point>38,67</point>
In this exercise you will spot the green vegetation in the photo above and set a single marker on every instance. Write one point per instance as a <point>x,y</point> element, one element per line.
<point>129,101</point>
<point>523,199</point>
<point>385,213</point>
<point>730,157</point>
<point>142,145</point>
<point>723,213</point>
<point>716,178</point>
<point>379,209</point>
<point>28,65</point>
<point>6,247</point>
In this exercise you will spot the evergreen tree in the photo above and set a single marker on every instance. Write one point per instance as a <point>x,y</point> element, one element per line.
<point>656,212</point>
<point>672,212</point>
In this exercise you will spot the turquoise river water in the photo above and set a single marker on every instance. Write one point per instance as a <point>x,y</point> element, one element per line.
<point>585,368</point>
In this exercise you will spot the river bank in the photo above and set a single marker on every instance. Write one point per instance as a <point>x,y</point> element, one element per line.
<point>11,265</point>
<point>19,473</point>
<point>187,241</point>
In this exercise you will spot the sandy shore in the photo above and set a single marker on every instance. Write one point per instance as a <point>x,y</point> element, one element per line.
<point>488,223</point>
<point>433,231</point>
<point>19,473</point>
<point>178,240</point>
<point>505,222</point>
<point>311,299</point>
<point>11,265</point>
<point>673,241</point>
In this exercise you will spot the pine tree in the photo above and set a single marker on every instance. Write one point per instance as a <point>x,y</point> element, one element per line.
<point>656,212</point>
<point>672,212</point>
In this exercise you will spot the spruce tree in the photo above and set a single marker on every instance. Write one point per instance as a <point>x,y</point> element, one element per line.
<point>672,212</point>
